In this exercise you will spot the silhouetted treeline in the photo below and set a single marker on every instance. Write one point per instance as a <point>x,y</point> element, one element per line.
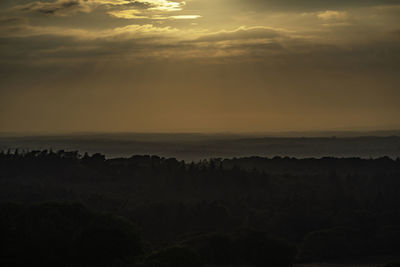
<point>247,211</point>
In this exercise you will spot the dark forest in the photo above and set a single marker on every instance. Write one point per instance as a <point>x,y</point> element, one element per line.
<point>66,209</point>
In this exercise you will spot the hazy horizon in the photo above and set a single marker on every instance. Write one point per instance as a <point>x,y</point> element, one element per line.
<point>197,146</point>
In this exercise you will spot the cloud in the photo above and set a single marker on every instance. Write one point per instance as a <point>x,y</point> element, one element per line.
<point>39,44</point>
<point>152,9</point>
<point>129,32</point>
<point>145,14</point>
<point>303,5</point>
<point>70,7</point>
<point>125,40</point>
<point>36,46</point>
<point>12,21</point>
<point>185,17</point>
<point>128,14</point>
<point>332,15</point>
<point>58,8</point>
<point>242,33</point>
<point>165,5</point>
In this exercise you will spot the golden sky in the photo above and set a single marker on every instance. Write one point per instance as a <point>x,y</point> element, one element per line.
<point>199,65</point>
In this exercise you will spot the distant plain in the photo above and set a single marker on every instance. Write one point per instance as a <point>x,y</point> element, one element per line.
<point>196,146</point>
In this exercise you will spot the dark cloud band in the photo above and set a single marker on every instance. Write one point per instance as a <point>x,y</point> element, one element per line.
<point>311,4</point>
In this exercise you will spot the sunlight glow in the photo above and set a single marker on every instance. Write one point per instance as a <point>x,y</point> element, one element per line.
<point>186,17</point>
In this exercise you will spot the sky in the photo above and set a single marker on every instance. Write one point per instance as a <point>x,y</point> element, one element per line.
<point>199,65</point>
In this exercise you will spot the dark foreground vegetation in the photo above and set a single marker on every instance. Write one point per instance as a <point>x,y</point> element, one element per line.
<point>63,209</point>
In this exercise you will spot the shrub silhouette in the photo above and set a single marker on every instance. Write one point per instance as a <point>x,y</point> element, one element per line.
<point>56,234</point>
<point>218,249</point>
<point>258,249</point>
<point>174,257</point>
<point>339,242</point>
<point>392,264</point>
<point>107,240</point>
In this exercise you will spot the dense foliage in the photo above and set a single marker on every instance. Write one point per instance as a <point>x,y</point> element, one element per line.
<point>254,211</point>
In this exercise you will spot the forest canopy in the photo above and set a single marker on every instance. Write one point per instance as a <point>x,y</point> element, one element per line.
<point>154,211</point>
